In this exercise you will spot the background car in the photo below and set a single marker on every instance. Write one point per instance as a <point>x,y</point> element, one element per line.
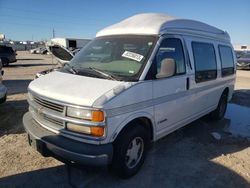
<point>3,89</point>
<point>39,50</point>
<point>7,55</point>
<point>244,61</point>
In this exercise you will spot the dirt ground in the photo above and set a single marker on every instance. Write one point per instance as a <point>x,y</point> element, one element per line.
<point>203,154</point>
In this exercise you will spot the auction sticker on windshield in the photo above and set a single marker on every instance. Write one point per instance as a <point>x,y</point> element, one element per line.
<point>132,55</point>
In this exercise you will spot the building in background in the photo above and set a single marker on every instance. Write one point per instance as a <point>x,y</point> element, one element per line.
<point>70,43</point>
<point>241,47</point>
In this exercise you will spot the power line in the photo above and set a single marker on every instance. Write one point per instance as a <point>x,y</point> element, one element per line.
<point>53,34</point>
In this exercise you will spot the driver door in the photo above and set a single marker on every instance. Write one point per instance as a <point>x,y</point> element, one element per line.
<point>171,97</point>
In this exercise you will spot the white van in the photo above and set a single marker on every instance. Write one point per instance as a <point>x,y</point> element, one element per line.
<point>136,82</point>
<point>3,89</point>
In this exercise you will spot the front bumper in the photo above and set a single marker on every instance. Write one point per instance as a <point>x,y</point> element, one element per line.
<point>51,144</point>
<point>243,66</point>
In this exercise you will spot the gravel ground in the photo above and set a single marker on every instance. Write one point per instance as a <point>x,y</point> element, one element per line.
<point>189,157</point>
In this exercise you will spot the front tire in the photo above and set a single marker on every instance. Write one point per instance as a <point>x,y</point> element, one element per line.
<point>130,150</point>
<point>5,62</point>
<point>219,112</point>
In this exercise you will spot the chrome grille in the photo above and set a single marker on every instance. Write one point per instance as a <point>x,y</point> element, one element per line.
<point>48,104</point>
<point>54,121</point>
<point>48,121</point>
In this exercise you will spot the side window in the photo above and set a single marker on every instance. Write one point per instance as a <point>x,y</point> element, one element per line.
<point>171,48</point>
<point>227,61</point>
<point>205,61</point>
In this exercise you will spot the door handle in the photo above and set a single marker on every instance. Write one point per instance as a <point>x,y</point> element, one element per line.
<point>187,83</point>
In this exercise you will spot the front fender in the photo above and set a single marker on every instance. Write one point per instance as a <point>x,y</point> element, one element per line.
<point>130,118</point>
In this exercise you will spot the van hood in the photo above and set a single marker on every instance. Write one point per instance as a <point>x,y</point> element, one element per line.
<point>73,89</point>
<point>62,54</point>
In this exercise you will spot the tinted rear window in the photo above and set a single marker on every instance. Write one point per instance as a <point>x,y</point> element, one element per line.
<point>227,61</point>
<point>205,61</point>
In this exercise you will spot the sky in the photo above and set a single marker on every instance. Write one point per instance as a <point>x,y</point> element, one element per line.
<point>35,20</point>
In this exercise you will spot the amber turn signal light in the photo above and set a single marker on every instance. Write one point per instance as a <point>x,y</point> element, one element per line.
<point>97,116</point>
<point>97,131</point>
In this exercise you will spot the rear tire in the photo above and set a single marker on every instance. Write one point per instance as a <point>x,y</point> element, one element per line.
<point>130,150</point>
<point>219,112</point>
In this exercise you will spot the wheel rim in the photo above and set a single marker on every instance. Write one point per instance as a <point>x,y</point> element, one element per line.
<point>134,152</point>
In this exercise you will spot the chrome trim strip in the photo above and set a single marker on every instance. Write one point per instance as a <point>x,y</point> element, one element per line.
<point>49,105</point>
<point>42,124</point>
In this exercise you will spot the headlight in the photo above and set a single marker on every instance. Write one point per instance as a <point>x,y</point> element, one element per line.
<point>92,115</point>
<point>79,113</point>
<point>78,128</point>
<point>94,131</point>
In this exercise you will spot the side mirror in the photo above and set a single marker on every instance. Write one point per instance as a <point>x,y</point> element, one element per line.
<point>168,67</point>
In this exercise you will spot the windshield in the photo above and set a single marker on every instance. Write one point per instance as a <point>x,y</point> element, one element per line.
<point>122,57</point>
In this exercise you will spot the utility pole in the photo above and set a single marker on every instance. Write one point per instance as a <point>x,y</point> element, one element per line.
<point>53,33</point>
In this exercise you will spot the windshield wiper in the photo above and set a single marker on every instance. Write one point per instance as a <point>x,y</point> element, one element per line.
<point>104,73</point>
<point>71,68</point>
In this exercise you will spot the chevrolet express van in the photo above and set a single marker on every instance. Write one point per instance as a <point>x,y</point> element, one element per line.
<point>136,82</point>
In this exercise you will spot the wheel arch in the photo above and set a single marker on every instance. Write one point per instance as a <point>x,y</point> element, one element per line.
<point>144,119</point>
<point>226,91</point>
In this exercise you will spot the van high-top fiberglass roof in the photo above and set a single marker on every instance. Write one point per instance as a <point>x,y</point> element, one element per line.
<point>157,24</point>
